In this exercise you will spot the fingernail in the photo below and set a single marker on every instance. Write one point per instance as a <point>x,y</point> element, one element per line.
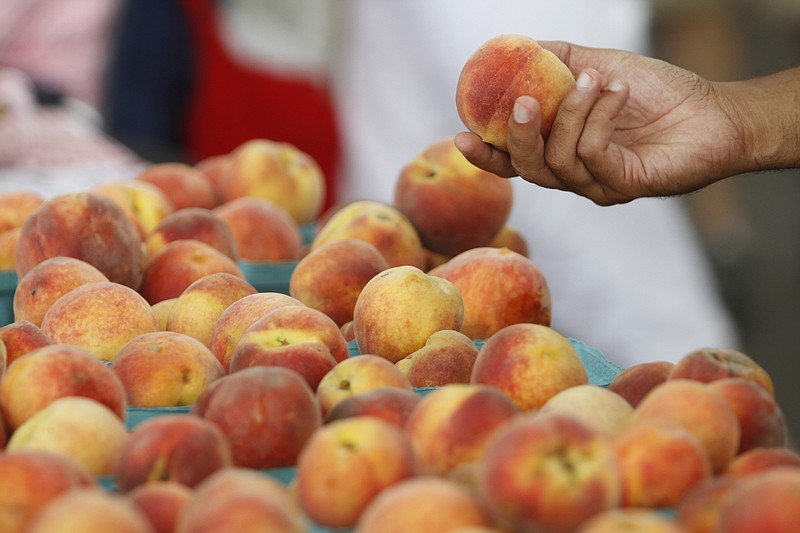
<point>615,86</point>
<point>584,81</point>
<point>521,114</point>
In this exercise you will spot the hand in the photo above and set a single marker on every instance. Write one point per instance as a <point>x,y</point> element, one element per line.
<point>633,126</point>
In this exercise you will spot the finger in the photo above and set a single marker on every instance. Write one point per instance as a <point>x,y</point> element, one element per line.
<point>526,146</point>
<point>561,150</point>
<point>594,146</point>
<point>484,155</point>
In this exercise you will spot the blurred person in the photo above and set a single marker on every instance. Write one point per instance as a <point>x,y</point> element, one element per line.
<point>380,83</point>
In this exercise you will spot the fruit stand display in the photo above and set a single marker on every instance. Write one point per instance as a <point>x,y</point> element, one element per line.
<point>202,349</point>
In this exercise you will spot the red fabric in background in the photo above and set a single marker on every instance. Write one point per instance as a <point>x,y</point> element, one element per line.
<point>233,103</point>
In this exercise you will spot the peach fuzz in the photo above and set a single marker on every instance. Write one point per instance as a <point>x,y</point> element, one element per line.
<point>144,203</point>
<point>548,472</point>
<point>16,206</point>
<point>90,509</point>
<point>391,404</point>
<point>355,375</point>
<point>47,282</point>
<point>502,69</point>
<point>99,317</point>
<point>198,308</point>
<point>196,223</point>
<point>238,499</point>
<point>345,464</point>
<point>422,503</point>
<point>603,409</point>
<point>275,171</point>
<point>55,371</point>
<point>264,231</point>
<point>454,205</point>
<point>400,308</point>
<point>240,315</point>
<point>75,426</point>
<point>165,369</point>
<point>161,502</point>
<point>250,408</point>
<point>179,264</point>
<point>330,277</point>
<point>700,410</point>
<point>499,288</point>
<point>85,225</point>
<point>530,363</point>
<point>29,479</point>
<point>182,448</point>
<point>381,224</point>
<point>182,184</point>
<point>447,357</point>
<point>451,425</point>
<point>20,338</point>
<point>161,311</point>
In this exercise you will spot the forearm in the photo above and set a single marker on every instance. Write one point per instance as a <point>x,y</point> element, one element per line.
<point>767,113</point>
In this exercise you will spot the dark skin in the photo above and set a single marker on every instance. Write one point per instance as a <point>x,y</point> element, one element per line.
<point>635,126</point>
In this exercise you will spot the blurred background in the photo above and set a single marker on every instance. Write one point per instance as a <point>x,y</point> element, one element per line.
<point>81,122</point>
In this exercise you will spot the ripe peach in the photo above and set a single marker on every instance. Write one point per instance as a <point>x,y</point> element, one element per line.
<point>454,205</point>
<point>709,364</point>
<point>47,282</point>
<point>447,357</point>
<point>196,223</point>
<point>502,69</point>
<point>762,458</point>
<point>144,203</point>
<point>769,501</point>
<point>8,249</point>
<point>161,502</point>
<point>212,168</point>
<point>85,225</point>
<point>634,382</point>
<point>20,338</point>
<point>603,409</point>
<point>391,404</point>
<point>499,288</point>
<point>90,509</point>
<point>631,519</point>
<point>182,184</point>
<point>511,238</point>
<point>700,509</point>
<point>15,206</point>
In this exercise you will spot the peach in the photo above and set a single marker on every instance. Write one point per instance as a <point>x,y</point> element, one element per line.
<point>144,203</point>
<point>76,426</point>
<point>47,282</point>
<point>20,338</point>
<point>196,223</point>
<point>391,404</point>
<point>447,357</point>
<point>381,224</point>
<point>757,460</point>
<point>345,464</point>
<point>161,311</point>
<point>660,462</point>
<point>16,205</point>
<point>264,231</point>
<point>633,383</point>
<point>769,501</point>
<point>179,264</point>
<point>8,249</point>
<point>422,503</point>
<point>630,519</point>
<point>401,307</point>
<point>548,472</point>
<point>511,238</point>
<point>709,364</point>
<point>198,308</point>
<point>603,409</point>
<point>165,369</point>
<point>90,509</point>
<point>529,362</point>
<point>700,410</point>
<point>238,499</point>
<point>356,375</point>
<point>240,315</point>
<point>700,509</point>
<point>55,371</point>
<point>29,479</point>
<point>275,171</point>
<point>183,448</point>
<point>292,336</point>
<point>161,502</point>
<point>331,276</point>
<point>85,225</point>
<point>266,413</point>
<point>761,419</point>
<point>451,425</point>
<point>212,168</point>
<point>502,69</point>
<point>499,288</point>
<point>348,331</point>
<point>454,205</point>
<point>182,184</point>
<point>99,317</point>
